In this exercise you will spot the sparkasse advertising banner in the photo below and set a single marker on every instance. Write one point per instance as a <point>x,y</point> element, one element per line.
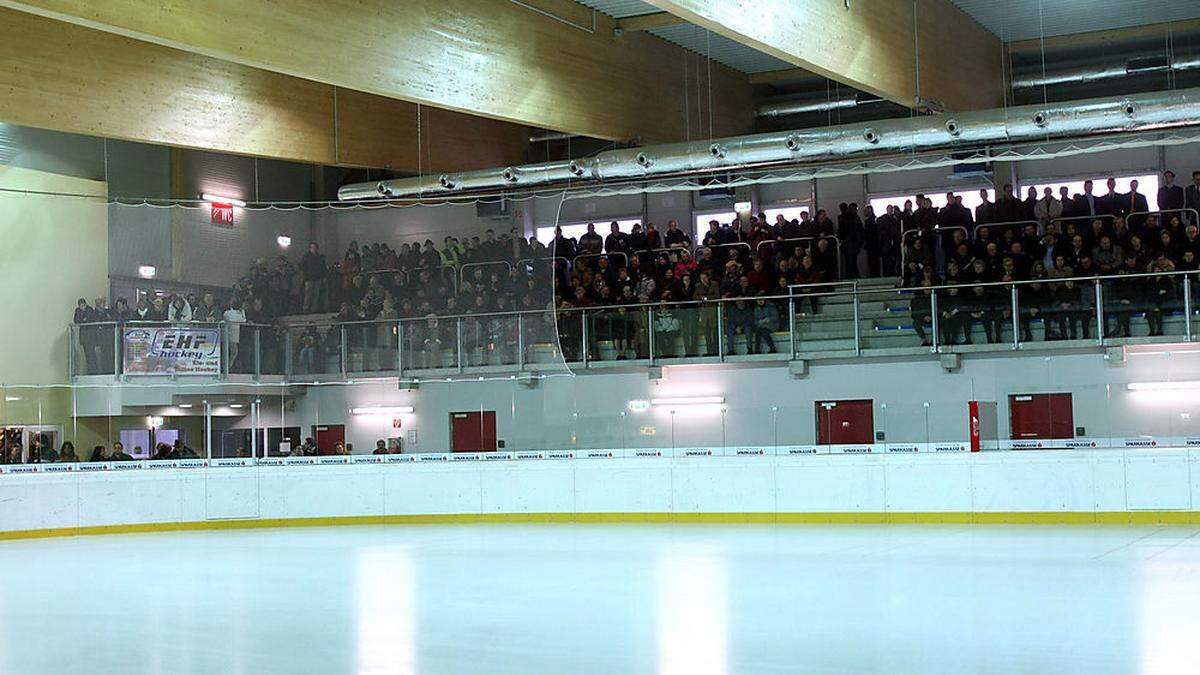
<point>172,350</point>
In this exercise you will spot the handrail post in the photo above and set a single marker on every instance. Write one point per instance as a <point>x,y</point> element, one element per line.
<point>1016,319</point>
<point>584,334</point>
<point>792,324</point>
<point>224,332</point>
<point>520,342</point>
<point>933,317</point>
<point>458,340</point>
<point>257,352</point>
<point>344,349</point>
<point>288,366</point>
<point>1099,313</point>
<point>857,328</point>
<point>72,340</point>
<point>1187,306</point>
<point>399,348</point>
<point>650,332</point>
<point>117,350</point>
<point>721,331</point>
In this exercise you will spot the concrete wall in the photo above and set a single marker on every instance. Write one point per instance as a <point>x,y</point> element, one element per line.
<point>1075,485</point>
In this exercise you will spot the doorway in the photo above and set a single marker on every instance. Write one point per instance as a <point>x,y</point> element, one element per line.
<point>1040,416</point>
<point>327,436</point>
<point>473,431</point>
<point>845,422</point>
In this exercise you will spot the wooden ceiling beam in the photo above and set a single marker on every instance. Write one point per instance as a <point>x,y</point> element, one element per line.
<point>920,53</point>
<point>543,67</point>
<point>648,21</point>
<point>69,78</point>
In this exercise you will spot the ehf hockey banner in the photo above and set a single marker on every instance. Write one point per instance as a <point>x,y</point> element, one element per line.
<point>173,350</point>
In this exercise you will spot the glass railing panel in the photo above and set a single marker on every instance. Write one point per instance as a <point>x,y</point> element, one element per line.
<point>617,333</point>
<point>96,347</point>
<point>539,339</point>
<point>371,347</point>
<point>312,350</point>
<point>430,343</point>
<point>827,318</point>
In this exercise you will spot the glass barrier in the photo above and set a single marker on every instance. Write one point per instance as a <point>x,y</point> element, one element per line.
<point>371,347</point>
<point>95,348</point>
<point>430,343</point>
<point>312,350</point>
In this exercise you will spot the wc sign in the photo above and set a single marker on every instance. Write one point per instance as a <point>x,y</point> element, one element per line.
<point>222,214</point>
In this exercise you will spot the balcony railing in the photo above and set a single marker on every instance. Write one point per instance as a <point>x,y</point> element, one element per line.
<point>836,319</point>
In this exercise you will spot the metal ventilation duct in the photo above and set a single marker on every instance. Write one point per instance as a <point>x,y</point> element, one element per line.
<point>809,105</point>
<point>1106,72</point>
<point>1089,117</point>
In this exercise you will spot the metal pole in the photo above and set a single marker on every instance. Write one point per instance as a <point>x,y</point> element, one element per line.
<point>458,339</point>
<point>933,317</point>
<point>792,323</point>
<point>208,430</point>
<point>1099,313</point>
<point>73,337</point>
<point>254,429</point>
<point>1187,307</point>
<point>1016,319</point>
<point>857,330</point>
<point>116,350</point>
<point>520,342</point>
<point>224,348</point>
<point>650,332</point>
<point>288,365</point>
<point>343,350</point>
<point>257,352</point>
<point>584,334</point>
<point>400,347</point>
<point>721,331</point>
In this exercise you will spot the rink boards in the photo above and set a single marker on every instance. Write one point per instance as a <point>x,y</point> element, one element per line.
<point>1152,484</point>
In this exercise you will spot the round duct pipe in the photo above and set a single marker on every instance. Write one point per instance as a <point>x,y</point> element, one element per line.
<point>1106,72</point>
<point>1073,119</point>
<point>809,105</point>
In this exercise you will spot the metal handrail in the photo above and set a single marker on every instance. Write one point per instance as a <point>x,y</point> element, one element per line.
<point>1194,212</point>
<point>974,234</point>
<point>937,229</point>
<point>1098,216</point>
<point>600,255</point>
<point>462,270</point>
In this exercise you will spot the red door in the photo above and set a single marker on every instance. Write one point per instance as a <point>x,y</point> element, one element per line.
<point>1037,416</point>
<point>329,435</point>
<point>473,431</point>
<point>845,422</point>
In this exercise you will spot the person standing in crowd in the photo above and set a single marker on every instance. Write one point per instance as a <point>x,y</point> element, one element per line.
<point>233,316</point>
<point>179,311</point>
<point>590,243</point>
<point>88,336</point>
<point>312,270</point>
<point>1047,209</point>
<point>1170,195</point>
<point>1191,197</point>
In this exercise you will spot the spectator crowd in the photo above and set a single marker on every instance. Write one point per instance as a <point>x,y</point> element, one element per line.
<point>749,263</point>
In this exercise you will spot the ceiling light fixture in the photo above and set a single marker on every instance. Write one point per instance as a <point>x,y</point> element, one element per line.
<point>383,410</point>
<point>218,199</point>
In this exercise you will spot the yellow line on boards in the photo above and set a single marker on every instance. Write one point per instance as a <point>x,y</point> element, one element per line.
<point>809,518</point>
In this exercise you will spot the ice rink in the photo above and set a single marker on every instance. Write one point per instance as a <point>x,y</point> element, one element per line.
<point>685,599</point>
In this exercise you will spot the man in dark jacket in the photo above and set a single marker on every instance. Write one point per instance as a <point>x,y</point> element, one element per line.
<point>1170,195</point>
<point>1191,196</point>
<point>312,272</point>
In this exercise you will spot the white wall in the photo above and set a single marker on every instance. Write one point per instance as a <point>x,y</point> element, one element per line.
<point>54,252</point>
<point>1079,482</point>
<point>767,406</point>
